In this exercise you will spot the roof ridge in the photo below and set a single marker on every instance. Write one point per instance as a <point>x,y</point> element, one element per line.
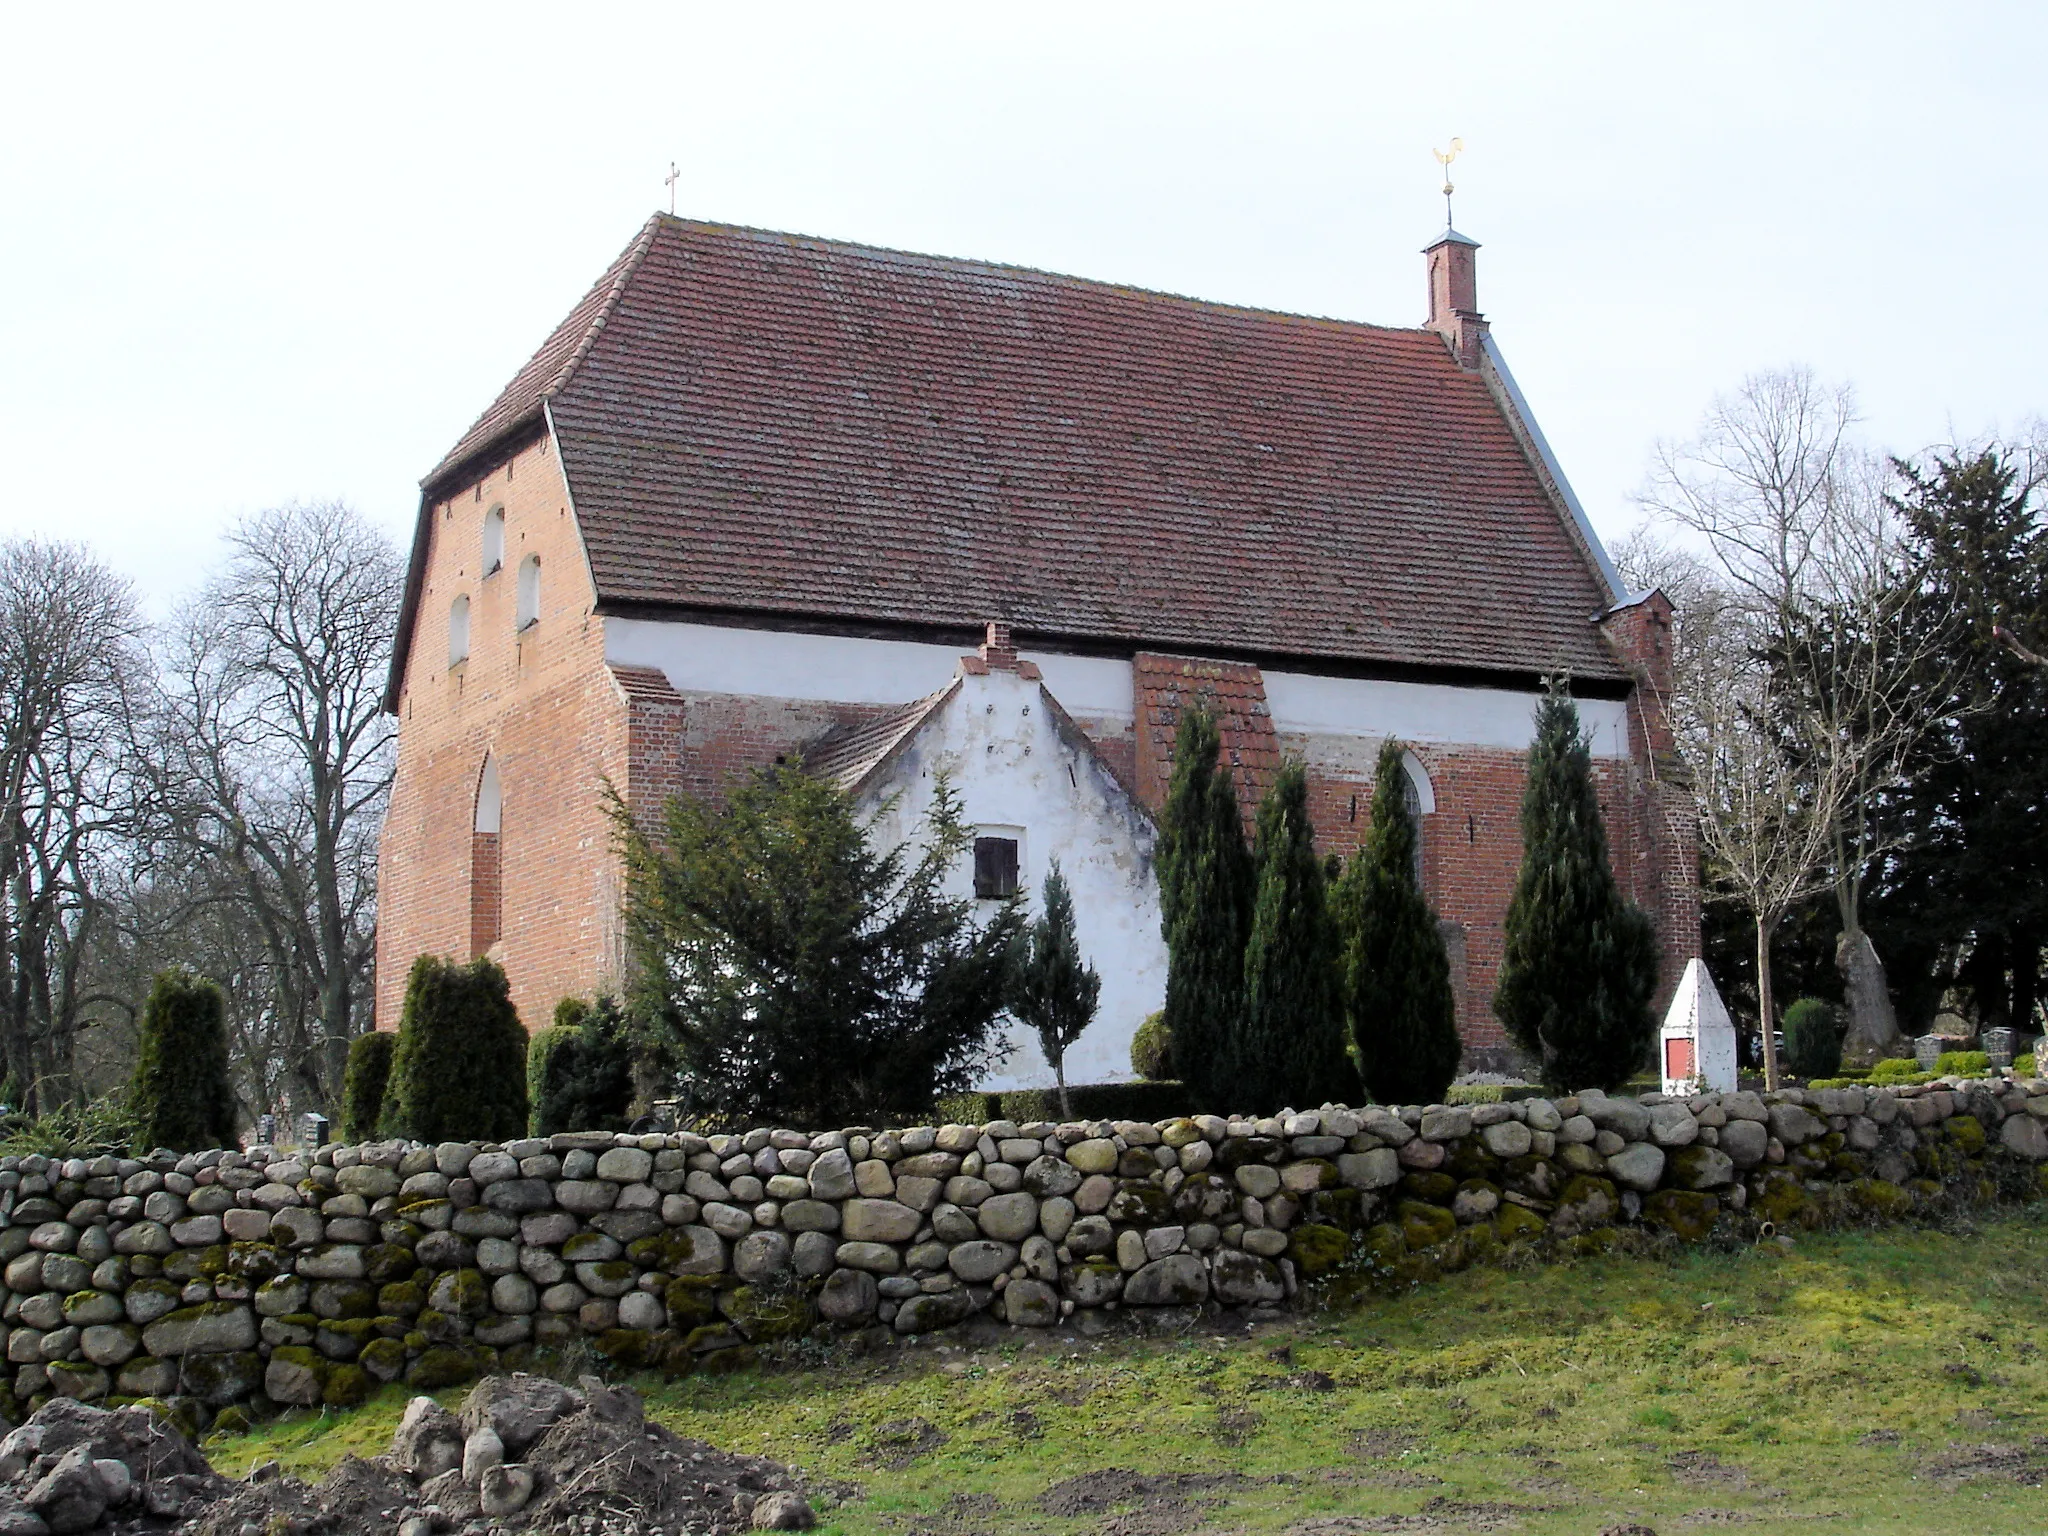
<point>981,264</point>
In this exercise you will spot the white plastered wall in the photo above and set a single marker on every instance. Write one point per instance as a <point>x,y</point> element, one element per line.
<point>1019,776</point>
<point>707,658</point>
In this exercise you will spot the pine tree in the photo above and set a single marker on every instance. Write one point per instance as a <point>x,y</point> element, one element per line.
<point>459,1073</point>
<point>1205,889</point>
<point>1581,960</point>
<point>1395,974</point>
<point>181,1098</point>
<point>1291,1047</point>
<point>1056,991</point>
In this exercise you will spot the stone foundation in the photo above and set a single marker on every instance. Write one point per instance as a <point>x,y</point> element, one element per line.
<point>227,1276</point>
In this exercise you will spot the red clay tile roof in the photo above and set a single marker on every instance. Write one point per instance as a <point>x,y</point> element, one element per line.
<point>774,424</point>
<point>1231,691</point>
<point>849,754</point>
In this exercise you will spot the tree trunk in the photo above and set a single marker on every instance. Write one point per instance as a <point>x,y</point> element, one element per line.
<point>1873,1025</point>
<point>1059,1075</point>
<point>1766,1014</point>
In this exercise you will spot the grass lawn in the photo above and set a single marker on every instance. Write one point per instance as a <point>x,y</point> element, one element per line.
<point>1878,1381</point>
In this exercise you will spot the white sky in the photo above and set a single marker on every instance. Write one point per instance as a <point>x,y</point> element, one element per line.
<point>249,254</point>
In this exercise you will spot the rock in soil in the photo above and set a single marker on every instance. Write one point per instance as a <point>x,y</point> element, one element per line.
<point>585,1460</point>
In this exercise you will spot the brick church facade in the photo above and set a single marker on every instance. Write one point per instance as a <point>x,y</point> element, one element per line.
<point>762,496</point>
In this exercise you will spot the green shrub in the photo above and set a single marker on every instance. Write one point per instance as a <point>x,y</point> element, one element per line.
<point>1813,1038</point>
<point>1962,1064</point>
<point>181,1096</point>
<point>1895,1069</point>
<point>1834,1082</point>
<point>2024,1066</point>
<point>362,1087</point>
<point>969,1108</point>
<point>106,1125</point>
<point>1491,1093</point>
<point>579,1073</point>
<point>1099,1101</point>
<point>460,1069</point>
<point>1152,1049</point>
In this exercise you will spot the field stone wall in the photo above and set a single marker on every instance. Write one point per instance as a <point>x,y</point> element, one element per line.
<point>223,1277</point>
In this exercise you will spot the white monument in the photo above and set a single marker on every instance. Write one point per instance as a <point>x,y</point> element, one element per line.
<point>1697,1044</point>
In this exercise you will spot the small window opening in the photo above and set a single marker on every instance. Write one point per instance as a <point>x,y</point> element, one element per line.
<point>529,591</point>
<point>458,631</point>
<point>995,868</point>
<point>494,540</point>
<point>486,871</point>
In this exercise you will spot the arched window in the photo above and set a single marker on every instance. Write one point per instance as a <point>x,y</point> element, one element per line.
<point>458,630</point>
<point>494,540</point>
<point>1421,800</point>
<point>529,591</point>
<point>486,873</point>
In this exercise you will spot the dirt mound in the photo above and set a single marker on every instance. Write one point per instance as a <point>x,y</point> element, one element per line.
<point>81,1468</point>
<point>357,1495</point>
<point>603,1469</point>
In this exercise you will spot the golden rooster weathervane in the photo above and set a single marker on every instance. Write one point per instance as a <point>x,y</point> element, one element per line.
<point>1444,157</point>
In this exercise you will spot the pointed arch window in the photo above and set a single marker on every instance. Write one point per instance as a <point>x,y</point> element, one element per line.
<point>458,630</point>
<point>486,871</point>
<point>529,591</point>
<point>494,541</point>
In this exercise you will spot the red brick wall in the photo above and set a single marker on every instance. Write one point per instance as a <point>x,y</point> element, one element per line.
<point>542,702</point>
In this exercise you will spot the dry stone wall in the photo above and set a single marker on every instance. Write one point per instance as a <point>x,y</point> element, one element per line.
<point>227,1276</point>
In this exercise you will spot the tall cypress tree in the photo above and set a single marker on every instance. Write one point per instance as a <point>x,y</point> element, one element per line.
<point>1205,889</point>
<point>1396,976</point>
<point>1581,960</point>
<point>1291,1049</point>
<point>181,1095</point>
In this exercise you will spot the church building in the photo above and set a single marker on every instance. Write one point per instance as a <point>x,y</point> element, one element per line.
<point>762,498</point>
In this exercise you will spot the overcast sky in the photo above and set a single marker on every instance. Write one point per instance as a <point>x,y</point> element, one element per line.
<point>256,254</point>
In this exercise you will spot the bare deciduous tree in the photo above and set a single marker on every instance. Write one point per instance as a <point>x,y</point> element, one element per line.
<point>1794,516</point>
<point>1768,810</point>
<point>276,762</point>
<point>68,664</point>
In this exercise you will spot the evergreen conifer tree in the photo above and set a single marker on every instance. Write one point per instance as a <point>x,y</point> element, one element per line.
<point>1581,960</point>
<point>1291,1047</point>
<point>181,1098</point>
<point>579,1071</point>
<point>1205,885</point>
<point>1395,974</point>
<point>1056,990</point>
<point>363,1085</point>
<point>459,1073</point>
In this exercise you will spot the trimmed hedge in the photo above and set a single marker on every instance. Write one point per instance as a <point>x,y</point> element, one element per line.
<point>1094,1101</point>
<point>1897,1069</point>
<point>1962,1064</point>
<point>181,1097</point>
<point>460,1070</point>
<point>1492,1093</point>
<point>363,1085</point>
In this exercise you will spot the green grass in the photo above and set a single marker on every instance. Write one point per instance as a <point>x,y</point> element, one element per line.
<point>1886,1381</point>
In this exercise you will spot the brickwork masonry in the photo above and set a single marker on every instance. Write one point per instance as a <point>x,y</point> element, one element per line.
<point>227,1276</point>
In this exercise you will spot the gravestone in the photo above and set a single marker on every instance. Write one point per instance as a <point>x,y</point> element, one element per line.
<point>312,1131</point>
<point>2001,1045</point>
<point>1927,1050</point>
